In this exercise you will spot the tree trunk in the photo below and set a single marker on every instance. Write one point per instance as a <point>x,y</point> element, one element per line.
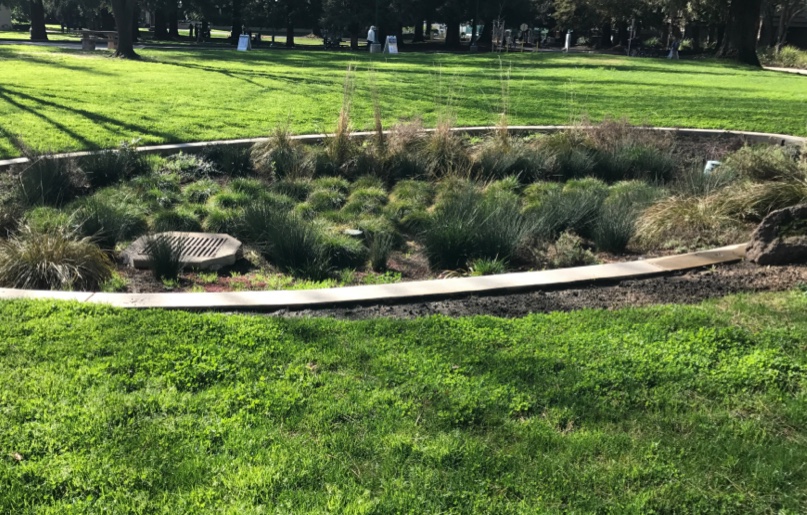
<point>740,40</point>
<point>427,36</point>
<point>135,25</point>
<point>236,25</point>
<point>123,10</point>
<point>38,30</point>
<point>605,40</point>
<point>622,33</point>
<point>418,37</point>
<point>486,36</point>
<point>354,40</point>
<point>399,35</point>
<point>289,32</point>
<point>453,34</point>
<point>173,21</point>
<point>160,25</point>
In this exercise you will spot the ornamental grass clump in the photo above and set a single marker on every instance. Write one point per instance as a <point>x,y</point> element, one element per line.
<point>468,225</point>
<point>443,153</point>
<point>615,225</point>
<point>113,166</point>
<point>52,260</point>
<point>175,220</point>
<point>765,163</point>
<point>230,160</point>
<point>574,207</point>
<point>47,180</point>
<point>501,157</point>
<point>290,242</point>
<point>164,256</point>
<point>200,191</point>
<point>281,156</point>
<point>701,220</point>
<point>108,222</point>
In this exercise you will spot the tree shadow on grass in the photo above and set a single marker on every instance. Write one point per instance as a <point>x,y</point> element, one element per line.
<point>6,94</point>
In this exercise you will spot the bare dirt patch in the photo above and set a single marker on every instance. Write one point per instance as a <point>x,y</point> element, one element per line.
<point>685,288</point>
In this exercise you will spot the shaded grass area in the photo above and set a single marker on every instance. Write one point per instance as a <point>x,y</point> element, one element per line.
<point>55,99</point>
<point>668,409</point>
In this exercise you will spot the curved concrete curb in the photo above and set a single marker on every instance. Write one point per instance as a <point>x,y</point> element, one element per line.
<point>395,293</point>
<point>754,137</point>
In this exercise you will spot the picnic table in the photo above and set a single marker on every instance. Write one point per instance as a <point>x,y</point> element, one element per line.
<point>90,37</point>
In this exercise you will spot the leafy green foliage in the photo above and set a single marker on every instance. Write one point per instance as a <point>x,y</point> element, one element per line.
<point>568,251</point>
<point>189,167</point>
<point>665,409</point>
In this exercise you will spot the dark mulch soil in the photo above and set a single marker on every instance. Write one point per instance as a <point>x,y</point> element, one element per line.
<point>685,288</point>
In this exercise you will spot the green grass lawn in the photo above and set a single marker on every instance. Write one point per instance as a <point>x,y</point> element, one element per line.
<point>697,409</point>
<point>65,100</point>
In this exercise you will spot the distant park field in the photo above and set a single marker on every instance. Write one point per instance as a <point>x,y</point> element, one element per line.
<point>55,99</point>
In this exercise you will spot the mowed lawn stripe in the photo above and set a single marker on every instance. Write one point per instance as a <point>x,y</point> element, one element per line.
<point>56,99</point>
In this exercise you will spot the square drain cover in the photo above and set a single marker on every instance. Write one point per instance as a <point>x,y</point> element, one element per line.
<point>198,249</point>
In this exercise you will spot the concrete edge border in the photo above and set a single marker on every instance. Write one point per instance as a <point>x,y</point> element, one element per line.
<point>414,291</point>
<point>193,147</point>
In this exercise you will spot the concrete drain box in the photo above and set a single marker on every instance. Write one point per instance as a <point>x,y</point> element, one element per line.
<point>199,249</point>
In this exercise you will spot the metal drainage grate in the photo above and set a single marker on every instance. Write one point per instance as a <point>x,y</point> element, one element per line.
<point>199,250</point>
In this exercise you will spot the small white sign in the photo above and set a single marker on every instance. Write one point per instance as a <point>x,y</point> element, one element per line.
<point>391,45</point>
<point>244,43</point>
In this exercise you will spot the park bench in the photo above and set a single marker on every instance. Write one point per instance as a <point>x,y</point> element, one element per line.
<point>90,37</point>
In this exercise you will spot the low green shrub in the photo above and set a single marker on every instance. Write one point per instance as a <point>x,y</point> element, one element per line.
<point>164,256</point>
<point>297,189</point>
<point>366,201</point>
<point>420,192</point>
<point>483,266</point>
<point>326,199</point>
<point>693,182</point>
<point>230,200</point>
<point>48,219</point>
<point>252,187</point>
<point>200,191</point>
<point>568,251</point>
<point>52,260</point>
<point>230,160</point>
<point>787,57</point>
<point>189,167</point>
<point>224,221</point>
<point>344,251</point>
<point>338,184</point>
<point>108,222</point>
<point>175,220</point>
<point>112,166</point>
<point>47,180</point>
